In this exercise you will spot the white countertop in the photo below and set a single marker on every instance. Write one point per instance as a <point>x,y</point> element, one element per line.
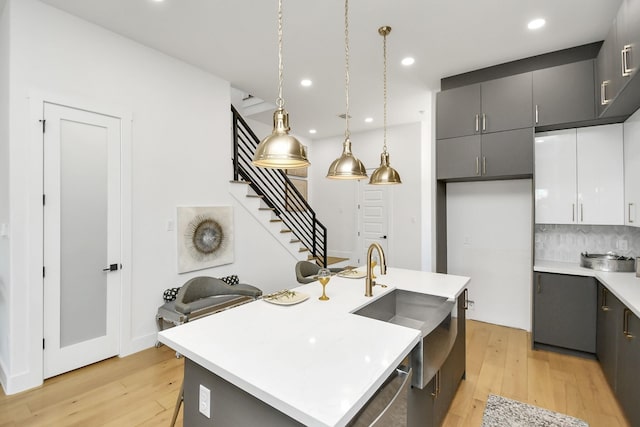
<point>314,361</point>
<point>625,286</point>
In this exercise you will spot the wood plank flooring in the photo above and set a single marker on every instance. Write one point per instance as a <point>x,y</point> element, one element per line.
<point>500,361</point>
<point>141,390</point>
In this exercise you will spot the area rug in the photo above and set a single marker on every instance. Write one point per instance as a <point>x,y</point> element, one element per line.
<point>503,412</point>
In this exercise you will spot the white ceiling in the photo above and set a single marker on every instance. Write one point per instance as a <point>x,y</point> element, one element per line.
<point>237,41</point>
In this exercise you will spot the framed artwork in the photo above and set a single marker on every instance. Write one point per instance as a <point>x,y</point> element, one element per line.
<point>205,237</point>
<point>301,186</point>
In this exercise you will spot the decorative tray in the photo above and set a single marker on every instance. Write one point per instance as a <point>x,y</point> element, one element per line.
<point>285,297</point>
<point>352,274</point>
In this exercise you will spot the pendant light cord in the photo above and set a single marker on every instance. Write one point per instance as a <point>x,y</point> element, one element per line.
<point>384,123</point>
<point>280,100</point>
<point>346,68</point>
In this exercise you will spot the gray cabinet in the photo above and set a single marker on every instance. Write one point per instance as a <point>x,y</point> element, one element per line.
<point>491,155</point>
<point>609,325</point>
<point>608,78</point>
<point>618,351</point>
<point>565,312</point>
<point>458,112</point>
<point>564,94</point>
<point>618,62</point>
<point>628,373</point>
<point>492,106</point>
<point>432,402</point>
<point>628,376</point>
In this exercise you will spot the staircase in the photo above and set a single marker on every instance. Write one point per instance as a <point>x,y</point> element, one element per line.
<point>273,200</point>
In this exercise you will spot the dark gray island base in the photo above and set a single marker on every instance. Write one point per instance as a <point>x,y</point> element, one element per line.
<point>233,407</point>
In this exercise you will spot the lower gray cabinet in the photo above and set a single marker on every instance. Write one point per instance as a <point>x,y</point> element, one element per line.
<point>564,312</point>
<point>609,325</point>
<point>428,407</point>
<point>628,369</point>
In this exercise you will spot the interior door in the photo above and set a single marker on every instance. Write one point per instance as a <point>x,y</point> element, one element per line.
<point>374,219</point>
<point>81,238</point>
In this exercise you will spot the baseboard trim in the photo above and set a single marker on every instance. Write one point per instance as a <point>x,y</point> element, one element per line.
<point>138,344</point>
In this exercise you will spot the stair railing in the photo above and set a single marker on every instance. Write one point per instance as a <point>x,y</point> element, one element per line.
<point>277,191</point>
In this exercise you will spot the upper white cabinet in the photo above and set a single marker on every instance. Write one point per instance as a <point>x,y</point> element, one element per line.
<point>579,176</point>
<point>600,175</point>
<point>632,170</point>
<point>555,177</point>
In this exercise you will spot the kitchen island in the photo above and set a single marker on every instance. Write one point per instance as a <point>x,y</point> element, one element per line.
<point>314,363</point>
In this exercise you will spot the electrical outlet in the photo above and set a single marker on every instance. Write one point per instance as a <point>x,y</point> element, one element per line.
<point>471,305</point>
<point>622,245</point>
<point>205,401</point>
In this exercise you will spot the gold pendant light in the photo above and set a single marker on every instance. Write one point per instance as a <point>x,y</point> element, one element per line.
<point>385,174</point>
<point>280,150</point>
<point>347,166</point>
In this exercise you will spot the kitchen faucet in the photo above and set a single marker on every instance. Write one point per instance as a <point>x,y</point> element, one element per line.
<point>370,283</point>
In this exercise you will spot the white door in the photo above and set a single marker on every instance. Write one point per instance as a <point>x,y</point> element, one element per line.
<point>632,169</point>
<point>81,238</point>
<point>556,174</point>
<point>601,175</point>
<point>373,219</point>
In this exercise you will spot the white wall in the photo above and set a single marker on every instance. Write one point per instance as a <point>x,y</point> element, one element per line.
<point>4,189</point>
<point>335,201</point>
<point>489,227</point>
<point>181,146</point>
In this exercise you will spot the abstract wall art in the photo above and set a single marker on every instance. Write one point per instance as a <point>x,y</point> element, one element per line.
<point>205,237</point>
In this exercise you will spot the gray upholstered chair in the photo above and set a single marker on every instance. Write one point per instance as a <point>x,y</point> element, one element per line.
<point>306,271</point>
<point>202,296</point>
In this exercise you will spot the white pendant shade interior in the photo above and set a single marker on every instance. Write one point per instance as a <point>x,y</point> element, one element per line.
<point>347,166</point>
<point>280,150</point>
<point>385,174</point>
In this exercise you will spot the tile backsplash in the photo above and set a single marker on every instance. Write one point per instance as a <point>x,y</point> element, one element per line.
<point>566,242</point>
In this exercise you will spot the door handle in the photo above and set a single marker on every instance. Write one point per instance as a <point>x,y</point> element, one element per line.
<point>484,165</point>
<point>112,267</point>
<point>477,122</point>
<point>625,324</point>
<point>604,306</point>
<point>626,71</point>
<point>630,206</point>
<point>484,122</point>
<point>603,93</point>
<point>537,115</point>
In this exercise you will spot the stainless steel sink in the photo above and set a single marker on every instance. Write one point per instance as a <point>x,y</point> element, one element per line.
<point>431,315</point>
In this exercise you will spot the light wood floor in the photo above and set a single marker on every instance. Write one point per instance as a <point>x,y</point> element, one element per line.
<point>141,390</point>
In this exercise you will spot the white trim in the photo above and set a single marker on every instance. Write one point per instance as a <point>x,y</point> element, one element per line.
<point>35,261</point>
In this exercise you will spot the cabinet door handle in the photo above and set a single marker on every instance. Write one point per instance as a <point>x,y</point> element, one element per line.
<point>604,306</point>
<point>537,114</point>
<point>581,212</point>
<point>466,298</point>
<point>539,284</point>
<point>436,386</point>
<point>630,220</point>
<point>625,324</point>
<point>477,165</point>
<point>484,122</point>
<point>477,122</point>
<point>626,71</point>
<point>573,212</point>
<point>603,92</point>
<point>484,165</point>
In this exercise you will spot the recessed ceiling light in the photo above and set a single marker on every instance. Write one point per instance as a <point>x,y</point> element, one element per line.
<point>536,23</point>
<point>408,61</point>
<point>368,120</point>
<point>312,131</point>
<point>306,82</point>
